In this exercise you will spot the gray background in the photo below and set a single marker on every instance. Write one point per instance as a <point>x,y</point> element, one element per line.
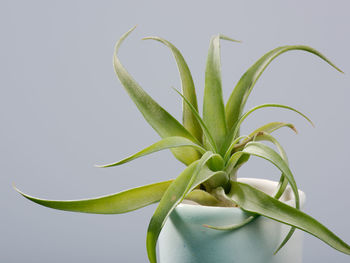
<point>62,110</point>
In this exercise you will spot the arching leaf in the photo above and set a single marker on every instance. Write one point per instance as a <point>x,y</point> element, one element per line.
<point>191,177</point>
<point>268,128</point>
<point>235,129</point>
<point>118,203</point>
<point>273,126</point>
<point>166,143</point>
<point>240,94</point>
<point>203,198</point>
<point>189,120</point>
<point>265,152</point>
<point>255,201</point>
<point>161,121</point>
<point>283,181</point>
<point>209,138</point>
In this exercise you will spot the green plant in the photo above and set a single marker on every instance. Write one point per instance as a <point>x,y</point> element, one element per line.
<point>211,148</point>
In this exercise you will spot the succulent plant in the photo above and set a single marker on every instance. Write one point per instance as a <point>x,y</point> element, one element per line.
<point>212,149</point>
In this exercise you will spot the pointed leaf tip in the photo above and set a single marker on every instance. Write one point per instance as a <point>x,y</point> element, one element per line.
<point>201,122</point>
<point>187,86</point>
<point>213,103</point>
<point>223,37</point>
<point>256,201</point>
<point>160,120</point>
<point>293,128</point>
<point>125,35</point>
<point>166,143</point>
<point>117,203</point>
<point>240,94</point>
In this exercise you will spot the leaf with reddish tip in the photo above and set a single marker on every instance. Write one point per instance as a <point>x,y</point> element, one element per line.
<point>235,129</point>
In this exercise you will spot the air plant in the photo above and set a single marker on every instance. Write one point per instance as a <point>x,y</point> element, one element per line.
<point>212,149</point>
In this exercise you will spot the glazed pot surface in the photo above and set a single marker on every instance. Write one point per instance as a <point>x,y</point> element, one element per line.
<point>184,239</point>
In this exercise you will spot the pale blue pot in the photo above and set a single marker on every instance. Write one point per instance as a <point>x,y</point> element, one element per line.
<point>184,240</point>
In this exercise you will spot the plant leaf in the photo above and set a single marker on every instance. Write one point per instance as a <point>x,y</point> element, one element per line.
<point>246,221</point>
<point>268,128</point>
<point>285,240</point>
<point>161,121</point>
<point>211,143</point>
<point>122,202</point>
<point>189,120</point>
<point>235,129</point>
<point>191,177</point>
<point>232,162</point>
<point>268,137</point>
<point>118,203</point>
<point>255,201</point>
<point>213,103</point>
<point>166,143</point>
<point>240,94</point>
<point>203,198</point>
<point>265,152</point>
<point>281,187</point>
<point>273,126</point>
<point>283,180</point>
<point>233,144</point>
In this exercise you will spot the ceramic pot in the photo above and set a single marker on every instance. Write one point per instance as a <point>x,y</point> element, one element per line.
<point>183,239</point>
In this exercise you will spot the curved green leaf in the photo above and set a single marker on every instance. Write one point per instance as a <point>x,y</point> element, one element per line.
<point>240,94</point>
<point>233,145</point>
<point>166,143</point>
<point>235,129</point>
<point>263,136</point>
<point>161,121</point>
<point>189,120</point>
<point>281,187</point>
<point>122,202</point>
<point>283,180</point>
<point>213,103</point>
<point>191,177</point>
<point>246,221</point>
<point>268,128</point>
<point>232,162</point>
<point>202,197</point>
<point>265,152</point>
<point>255,201</point>
<point>285,240</point>
<point>273,126</point>
<point>211,143</point>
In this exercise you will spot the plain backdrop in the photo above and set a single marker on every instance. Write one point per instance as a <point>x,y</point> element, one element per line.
<point>62,110</point>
